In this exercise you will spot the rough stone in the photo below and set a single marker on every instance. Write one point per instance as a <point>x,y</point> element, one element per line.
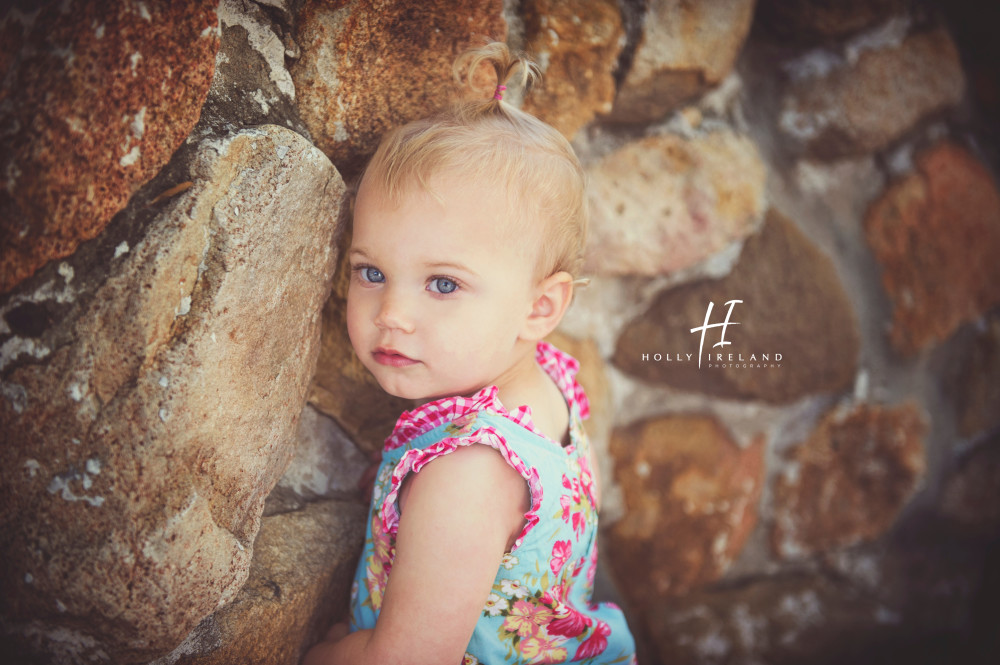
<point>326,465</point>
<point>973,383</point>
<point>146,424</point>
<point>936,234</point>
<point>96,97</point>
<point>850,479</point>
<point>299,583</point>
<point>577,44</point>
<point>797,333</point>
<point>342,388</point>
<point>691,499</point>
<point>368,66</point>
<point>809,20</point>
<point>685,49</point>
<point>665,203</point>
<point>862,107</point>
<point>783,619</point>
<point>252,85</point>
<point>971,493</point>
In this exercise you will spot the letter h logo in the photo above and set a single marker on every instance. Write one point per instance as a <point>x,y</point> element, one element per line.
<point>722,338</point>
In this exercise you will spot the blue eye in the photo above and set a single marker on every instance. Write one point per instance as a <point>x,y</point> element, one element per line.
<point>443,285</point>
<point>370,274</point>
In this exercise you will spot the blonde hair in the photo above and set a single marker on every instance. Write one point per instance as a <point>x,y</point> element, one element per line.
<point>494,142</point>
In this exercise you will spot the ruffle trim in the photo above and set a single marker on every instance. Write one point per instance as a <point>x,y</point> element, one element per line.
<point>560,366</point>
<point>416,459</point>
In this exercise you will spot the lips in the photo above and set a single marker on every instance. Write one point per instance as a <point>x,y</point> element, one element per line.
<point>392,358</point>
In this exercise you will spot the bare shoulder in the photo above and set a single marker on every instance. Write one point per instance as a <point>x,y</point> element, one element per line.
<point>473,479</point>
<point>473,468</point>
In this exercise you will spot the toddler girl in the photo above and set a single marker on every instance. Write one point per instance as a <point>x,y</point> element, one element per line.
<point>468,233</point>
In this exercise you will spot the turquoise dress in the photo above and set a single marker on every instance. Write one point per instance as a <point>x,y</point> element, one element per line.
<point>540,609</point>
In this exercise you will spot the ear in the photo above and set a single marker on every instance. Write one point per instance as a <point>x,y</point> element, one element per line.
<point>552,297</point>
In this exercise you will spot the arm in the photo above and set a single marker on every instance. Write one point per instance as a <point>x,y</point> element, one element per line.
<point>460,512</point>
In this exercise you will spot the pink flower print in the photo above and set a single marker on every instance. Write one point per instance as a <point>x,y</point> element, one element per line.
<point>595,644</point>
<point>525,618</point>
<point>592,571</point>
<point>587,479</point>
<point>578,567</point>
<point>553,596</point>
<point>569,623</point>
<point>573,485</point>
<point>572,508</point>
<point>537,649</point>
<point>561,551</point>
<point>566,504</point>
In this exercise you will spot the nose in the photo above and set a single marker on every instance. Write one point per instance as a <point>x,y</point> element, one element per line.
<point>393,312</point>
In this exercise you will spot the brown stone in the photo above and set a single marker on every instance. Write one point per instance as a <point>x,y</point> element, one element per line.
<point>685,49</point>
<point>865,106</point>
<point>781,619</point>
<point>147,423</point>
<point>690,503</point>
<point>665,203</point>
<point>797,331</point>
<point>809,20</point>
<point>342,387</point>
<point>577,44</point>
<point>369,66</point>
<point>971,494</point>
<point>96,98</point>
<point>299,584</point>
<point>973,384</point>
<point>850,479</point>
<point>936,234</point>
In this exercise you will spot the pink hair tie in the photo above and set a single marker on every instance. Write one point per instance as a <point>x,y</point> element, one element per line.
<point>498,95</point>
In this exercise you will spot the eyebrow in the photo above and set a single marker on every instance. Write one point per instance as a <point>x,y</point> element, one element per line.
<point>436,265</point>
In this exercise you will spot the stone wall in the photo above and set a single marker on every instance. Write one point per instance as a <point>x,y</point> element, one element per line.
<point>185,424</point>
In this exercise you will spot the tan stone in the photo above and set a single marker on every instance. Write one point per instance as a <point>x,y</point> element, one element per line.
<point>685,49</point>
<point>96,98</point>
<point>369,66</point>
<point>299,584</point>
<point>691,499</point>
<point>865,106</point>
<point>850,479</point>
<point>936,233</point>
<point>577,44</point>
<point>665,203</point>
<point>146,423</point>
<point>793,306</point>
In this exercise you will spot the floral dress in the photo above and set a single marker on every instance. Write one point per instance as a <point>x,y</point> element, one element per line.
<point>540,609</point>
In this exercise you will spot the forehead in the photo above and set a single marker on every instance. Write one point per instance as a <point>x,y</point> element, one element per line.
<point>453,215</point>
<point>453,203</point>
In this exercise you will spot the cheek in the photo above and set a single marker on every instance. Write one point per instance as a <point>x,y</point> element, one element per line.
<point>356,318</point>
